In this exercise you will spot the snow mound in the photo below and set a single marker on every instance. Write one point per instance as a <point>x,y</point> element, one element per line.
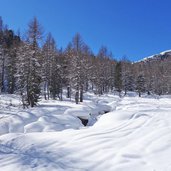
<point>134,135</point>
<point>51,124</point>
<point>82,112</point>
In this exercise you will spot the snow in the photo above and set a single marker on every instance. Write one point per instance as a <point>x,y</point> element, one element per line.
<point>164,52</point>
<point>153,56</point>
<point>135,134</point>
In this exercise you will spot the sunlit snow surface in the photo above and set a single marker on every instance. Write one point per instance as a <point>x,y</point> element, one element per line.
<point>134,136</point>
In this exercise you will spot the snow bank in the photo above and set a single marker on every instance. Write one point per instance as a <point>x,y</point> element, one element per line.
<point>82,112</point>
<point>50,115</point>
<point>134,136</point>
<point>51,124</point>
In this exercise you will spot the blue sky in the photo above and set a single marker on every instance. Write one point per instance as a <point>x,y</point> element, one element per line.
<point>135,28</point>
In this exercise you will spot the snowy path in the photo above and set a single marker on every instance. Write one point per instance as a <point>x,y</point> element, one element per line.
<point>135,136</point>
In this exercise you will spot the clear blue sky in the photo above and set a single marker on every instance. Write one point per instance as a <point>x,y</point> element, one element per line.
<point>135,28</point>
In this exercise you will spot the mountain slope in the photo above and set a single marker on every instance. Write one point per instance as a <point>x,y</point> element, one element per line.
<point>161,56</point>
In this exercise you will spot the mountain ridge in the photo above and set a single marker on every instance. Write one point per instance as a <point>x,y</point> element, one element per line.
<point>161,56</point>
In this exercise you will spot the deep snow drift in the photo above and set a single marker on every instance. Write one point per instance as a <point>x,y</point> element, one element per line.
<point>134,136</point>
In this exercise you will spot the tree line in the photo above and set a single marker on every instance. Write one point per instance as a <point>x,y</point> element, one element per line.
<point>31,69</point>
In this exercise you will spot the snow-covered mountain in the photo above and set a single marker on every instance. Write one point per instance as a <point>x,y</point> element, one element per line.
<point>161,56</point>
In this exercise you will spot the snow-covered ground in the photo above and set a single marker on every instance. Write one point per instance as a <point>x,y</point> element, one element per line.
<point>134,136</point>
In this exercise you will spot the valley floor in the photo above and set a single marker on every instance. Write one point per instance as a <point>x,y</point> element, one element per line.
<point>134,136</point>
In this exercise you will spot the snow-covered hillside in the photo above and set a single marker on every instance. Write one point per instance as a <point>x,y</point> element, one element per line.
<point>156,56</point>
<point>134,136</point>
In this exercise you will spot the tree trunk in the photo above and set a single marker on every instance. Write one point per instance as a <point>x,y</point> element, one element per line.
<point>48,95</point>
<point>76,97</point>
<point>81,93</point>
<point>92,87</point>
<point>86,89</point>
<point>61,91</point>
<point>68,92</point>
<point>125,92</point>
<point>139,93</point>
<point>45,85</point>
<point>3,72</point>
